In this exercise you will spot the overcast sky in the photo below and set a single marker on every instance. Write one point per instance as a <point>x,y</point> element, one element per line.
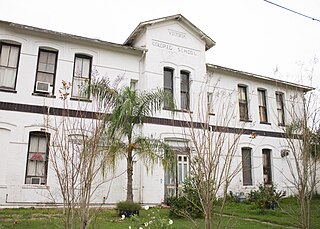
<point>250,35</point>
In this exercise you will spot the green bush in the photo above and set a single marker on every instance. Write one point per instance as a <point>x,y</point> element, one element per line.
<point>125,205</point>
<point>188,203</point>
<point>266,196</point>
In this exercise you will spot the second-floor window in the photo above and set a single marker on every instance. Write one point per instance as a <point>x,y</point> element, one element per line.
<point>185,90</point>
<point>262,105</point>
<point>210,103</point>
<point>243,103</point>
<point>168,82</point>
<point>9,59</point>
<point>81,77</point>
<point>280,108</point>
<point>46,71</point>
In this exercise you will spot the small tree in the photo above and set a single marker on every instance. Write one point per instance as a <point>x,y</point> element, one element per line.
<point>78,153</point>
<point>130,108</point>
<point>303,140</point>
<point>215,144</point>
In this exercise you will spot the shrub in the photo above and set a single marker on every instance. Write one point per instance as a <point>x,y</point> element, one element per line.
<point>128,209</point>
<point>266,196</point>
<point>188,203</point>
<point>125,205</point>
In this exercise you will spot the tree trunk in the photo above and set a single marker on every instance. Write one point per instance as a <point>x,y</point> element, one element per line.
<point>208,219</point>
<point>129,176</point>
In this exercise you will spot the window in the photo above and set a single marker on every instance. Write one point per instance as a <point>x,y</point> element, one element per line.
<point>134,84</point>
<point>266,159</point>
<point>174,180</point>
<point>9,59</point>
<point>185,89</point>
<point>262,105</point>
<point>81,76</point>
<point>280,108</point>
<point>210,103</point>
<point>243,103</point>
<point>168,82</point>
<point>46,71</point>
<point>37,160</point>
<point>182,168</point>
<point>246,166</point>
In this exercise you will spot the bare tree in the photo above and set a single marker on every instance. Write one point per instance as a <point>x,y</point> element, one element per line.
<point>79,152</point>
<point>214,139</point>
<point>303,140</point>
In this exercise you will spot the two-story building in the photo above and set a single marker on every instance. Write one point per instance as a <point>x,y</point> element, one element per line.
<point>164,53</point>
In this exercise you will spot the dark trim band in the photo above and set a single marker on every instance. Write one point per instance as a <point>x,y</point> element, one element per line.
<point>45,110</point>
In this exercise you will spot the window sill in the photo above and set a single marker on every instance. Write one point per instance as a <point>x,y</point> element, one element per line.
<point>81,99</point>
<point>245,120</point>
<point>35,186</point>
<point>177,110</point>
<point>265,123</point>
<point>8,90</point>
<point>43,95</point>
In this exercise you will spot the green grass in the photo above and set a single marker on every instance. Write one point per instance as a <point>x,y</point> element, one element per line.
<point>237,215</point>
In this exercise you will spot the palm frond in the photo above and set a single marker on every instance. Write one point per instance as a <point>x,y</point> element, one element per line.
<point>150,151</point>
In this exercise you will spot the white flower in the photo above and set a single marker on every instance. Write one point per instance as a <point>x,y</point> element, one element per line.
<point>146,207</point>
<point>170,221</point>
<point>129,227</point>
<point>123,217</point>
<point>140,227</point>
<point>146,224</point>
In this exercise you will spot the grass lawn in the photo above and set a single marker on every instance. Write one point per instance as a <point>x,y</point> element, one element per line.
<point>237,215</point>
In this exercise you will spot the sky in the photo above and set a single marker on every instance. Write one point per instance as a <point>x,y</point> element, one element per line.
<point>251,35</point>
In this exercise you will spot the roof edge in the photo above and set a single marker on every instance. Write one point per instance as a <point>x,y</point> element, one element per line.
<point>142,25</point>
<point>70,36</point>
<point>304,87</point>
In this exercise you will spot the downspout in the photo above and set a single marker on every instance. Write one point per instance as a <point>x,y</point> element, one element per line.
<point>141,72</point>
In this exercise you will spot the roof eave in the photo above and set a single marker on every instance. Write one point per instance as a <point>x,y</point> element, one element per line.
<point>277,81</point>
<point>71,36</point>
<point>136,32</point>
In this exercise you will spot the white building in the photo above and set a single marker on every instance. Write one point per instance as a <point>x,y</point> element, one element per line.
<point>167,52</point>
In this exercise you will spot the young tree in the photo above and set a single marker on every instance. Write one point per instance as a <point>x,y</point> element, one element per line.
<point>215,144</point>
<point>129,110</point>
<point>78,155</point>
<point>303,140</point>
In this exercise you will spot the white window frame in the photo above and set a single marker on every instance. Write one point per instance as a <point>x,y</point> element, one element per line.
<point>9,65</point>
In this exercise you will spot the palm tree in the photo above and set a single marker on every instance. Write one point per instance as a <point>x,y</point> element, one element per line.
<point>130,109</point>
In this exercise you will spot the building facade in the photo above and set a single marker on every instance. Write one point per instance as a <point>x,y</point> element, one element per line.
<point>164,53</point>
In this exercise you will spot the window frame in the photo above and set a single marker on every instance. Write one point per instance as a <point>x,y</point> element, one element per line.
<point>267,166</point>
<point>263,110</point>
<point>210,103</point>
<point>38,134</point>
<point>4,88</point>
<point>54,74</point>
<point>169,90</point>
<point>280,101</point>
<point>87,57</point>
<point>184,93</point>
<point>243,103</point>
<point>246,181</point>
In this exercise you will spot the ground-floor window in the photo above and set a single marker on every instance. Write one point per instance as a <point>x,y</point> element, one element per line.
<point>37,160</point>
<point>266,159</point>
<point>246,166</point>
<point>175,179</point>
